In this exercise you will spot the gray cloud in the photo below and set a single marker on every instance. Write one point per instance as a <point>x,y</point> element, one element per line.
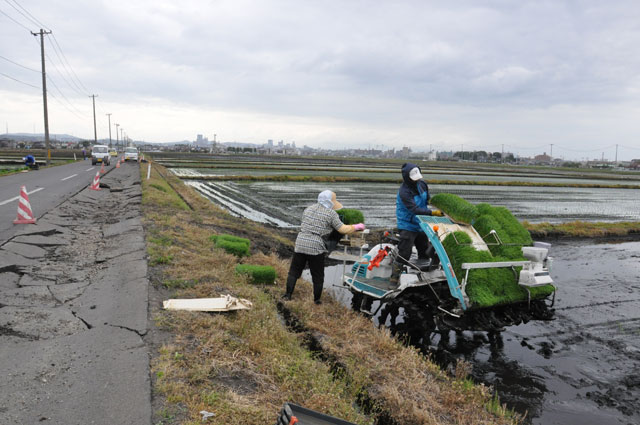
<point>412,70</point>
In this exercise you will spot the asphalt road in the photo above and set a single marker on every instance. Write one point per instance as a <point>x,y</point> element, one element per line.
<point>73,302</point>
<point>47,188</point>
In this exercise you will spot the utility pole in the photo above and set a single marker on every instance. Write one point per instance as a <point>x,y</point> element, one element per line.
<point>122,138</point>
<point>95,132</point>
<point>44,93</point>
<point>551,153</point>
<point>502,155</point>
<point>117,140</point>
<point>616,153</point>
<point>109,115</point>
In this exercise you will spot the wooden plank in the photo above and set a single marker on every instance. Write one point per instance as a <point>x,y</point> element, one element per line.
<point>224,303</point>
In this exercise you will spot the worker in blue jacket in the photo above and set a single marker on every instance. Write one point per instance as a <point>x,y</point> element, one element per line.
<point>412,200</point>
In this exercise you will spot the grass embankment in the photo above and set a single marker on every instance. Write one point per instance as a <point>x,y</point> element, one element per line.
<point>364,179</point>
<point>245,365</point>
<point>7,171</point>
<point>582,229</point>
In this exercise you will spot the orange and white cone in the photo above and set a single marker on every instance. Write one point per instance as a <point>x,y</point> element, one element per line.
<point>25,215</point>
<point>96,182</point>
<point>102,169</point>
<point>118,164</point>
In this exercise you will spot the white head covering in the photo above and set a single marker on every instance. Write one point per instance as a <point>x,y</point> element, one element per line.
<point>328,200</point>
<point>415,174</point>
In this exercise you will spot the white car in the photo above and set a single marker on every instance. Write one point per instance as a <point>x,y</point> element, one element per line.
<point>131,154</point>
<point>100,153</point>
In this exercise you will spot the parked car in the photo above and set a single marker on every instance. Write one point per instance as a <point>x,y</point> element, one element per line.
<point>131,154</point>
<point>100,153</point>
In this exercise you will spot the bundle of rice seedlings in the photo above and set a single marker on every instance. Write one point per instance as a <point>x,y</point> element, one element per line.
<point>488,287</point>
<point>456,207</point>
<point>232,244</point>
<point>350,216</point>
<point>256,273</point>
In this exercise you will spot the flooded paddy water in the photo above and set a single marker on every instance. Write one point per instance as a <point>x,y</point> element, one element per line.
<point>282,203</point>
<point>582,367</point>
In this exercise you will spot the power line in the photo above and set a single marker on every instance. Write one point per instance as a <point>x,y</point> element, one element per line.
<point>15,79</point>
<point>83,119</point>
<point>22,66</point>
<point>56,48</point>
<point>8,16</point>
<point>526,147</point>
<point>22,13</point>
<point>585,150</point>
<point>70,67</point>
<point>33,18</point>
<point>629,147</point>
<point>77,88</point>
<point>62,94</point>
<point>62,76</point>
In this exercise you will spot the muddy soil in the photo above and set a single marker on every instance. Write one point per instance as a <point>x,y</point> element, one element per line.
<point>582,367</point>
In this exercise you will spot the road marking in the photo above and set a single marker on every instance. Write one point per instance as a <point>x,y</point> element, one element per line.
<point>17,197</point>
<point>67,178</point>
<point>90,169</point>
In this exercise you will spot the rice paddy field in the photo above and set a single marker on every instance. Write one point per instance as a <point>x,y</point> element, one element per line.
<point>246,187</point>
<point>580,368</point>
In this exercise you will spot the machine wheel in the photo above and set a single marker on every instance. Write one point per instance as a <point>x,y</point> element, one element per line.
<point>356,301</point>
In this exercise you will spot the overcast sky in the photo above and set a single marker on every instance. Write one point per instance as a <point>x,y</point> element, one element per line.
<point>451,75</point>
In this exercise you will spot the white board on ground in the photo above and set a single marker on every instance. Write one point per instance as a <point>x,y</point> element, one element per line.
<point>224,303</point>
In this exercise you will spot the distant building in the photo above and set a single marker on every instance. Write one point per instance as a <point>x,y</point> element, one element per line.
<point>543,159</point>
<point>202,142</point>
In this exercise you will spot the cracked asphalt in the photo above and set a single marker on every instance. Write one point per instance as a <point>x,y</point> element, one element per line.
<point>73,311</point>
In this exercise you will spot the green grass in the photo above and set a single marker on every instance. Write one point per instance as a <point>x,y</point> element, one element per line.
<point>162,240</point>
<point>7,171</point>
<point>583,229</point>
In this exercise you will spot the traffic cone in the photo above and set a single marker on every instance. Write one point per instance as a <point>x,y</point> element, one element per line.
<point>25,215</point>
<point>102,169</point>
<point>118,164</point>
<point>96,182</point>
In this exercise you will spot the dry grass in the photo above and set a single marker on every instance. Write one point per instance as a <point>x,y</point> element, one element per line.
<point>245,365</point>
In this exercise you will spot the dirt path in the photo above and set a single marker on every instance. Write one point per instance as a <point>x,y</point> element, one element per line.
<point>73,310</point>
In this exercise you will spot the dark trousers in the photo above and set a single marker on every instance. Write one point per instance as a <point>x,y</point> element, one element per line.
<point>407,240</point>
<point>316,266</point>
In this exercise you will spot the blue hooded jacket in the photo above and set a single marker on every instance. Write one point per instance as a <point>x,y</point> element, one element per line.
<point>411,201</point>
